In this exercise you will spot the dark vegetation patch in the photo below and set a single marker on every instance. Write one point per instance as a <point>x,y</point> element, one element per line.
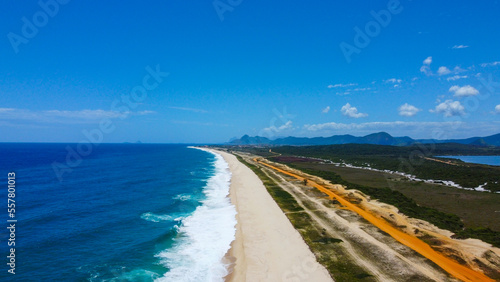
<point>405,205</point>
<point>475,209</point>
<point>409,207</point>
<point>294,159</point>
<point>409,159</point>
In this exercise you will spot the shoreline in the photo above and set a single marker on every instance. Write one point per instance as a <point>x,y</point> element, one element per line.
<point>266,247</point>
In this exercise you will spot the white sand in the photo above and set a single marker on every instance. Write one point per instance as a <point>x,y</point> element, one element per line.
<point>267,247</point>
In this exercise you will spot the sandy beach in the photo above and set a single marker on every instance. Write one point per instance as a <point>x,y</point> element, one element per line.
<point>267,247</point>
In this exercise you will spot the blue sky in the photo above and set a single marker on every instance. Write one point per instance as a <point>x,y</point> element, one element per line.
<point>175,71</point>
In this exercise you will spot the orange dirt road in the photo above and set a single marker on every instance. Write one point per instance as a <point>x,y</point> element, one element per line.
<point>452,267</point>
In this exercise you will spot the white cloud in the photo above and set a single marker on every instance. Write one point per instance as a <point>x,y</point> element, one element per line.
<point>425,68</point>
<point>415,129</point>
<point>440,98</point>
<point>449,108</point>
<point>348,110</point>
<point>460,46</point>
<point>274,129</point>
<point>86,114</point>
<point>326,110</point>
<point>341,85</point>
<point>5,110</point>
<point>376,125</point>
<point>393,80</point>
<point>408,110</point>
<point>20,114</point>
<point>492,64</point>
<point>200,123</point>
<point>189,109</point>
<point>456,77</point>
<point>64,116</point>
<point>464,91</point>
<point>497,109</point>
<point>444,71</point>
<point>142,113</point>
<point>349,91</point>
<point>343,93</point>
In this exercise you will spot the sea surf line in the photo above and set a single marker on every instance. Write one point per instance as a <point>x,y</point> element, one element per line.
<point>452,267</point>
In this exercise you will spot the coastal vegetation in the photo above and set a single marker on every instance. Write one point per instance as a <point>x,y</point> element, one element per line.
<point>406,205</point>
<point>417,160</point>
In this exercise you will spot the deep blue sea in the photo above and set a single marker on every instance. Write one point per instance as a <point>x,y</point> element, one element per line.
<point>125,212</point>
<point>487,160</point>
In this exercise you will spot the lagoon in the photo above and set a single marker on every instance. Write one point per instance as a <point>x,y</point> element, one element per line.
<point>487,160</point>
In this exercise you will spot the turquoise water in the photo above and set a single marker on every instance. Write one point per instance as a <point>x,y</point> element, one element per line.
<point>126,212</point>
<point>487,160</point>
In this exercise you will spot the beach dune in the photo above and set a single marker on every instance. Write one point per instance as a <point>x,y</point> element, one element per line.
<point>267,247</point>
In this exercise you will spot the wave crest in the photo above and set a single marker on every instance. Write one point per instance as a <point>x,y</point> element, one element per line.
<point>159,217</point>
<point>206,235</point>
<point>182,197</point>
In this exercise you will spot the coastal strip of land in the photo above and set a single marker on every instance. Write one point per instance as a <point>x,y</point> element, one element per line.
<point>266,247</point>
<point>452,267</point>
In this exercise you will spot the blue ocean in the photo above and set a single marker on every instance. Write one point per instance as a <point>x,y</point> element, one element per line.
<point>124,212</point>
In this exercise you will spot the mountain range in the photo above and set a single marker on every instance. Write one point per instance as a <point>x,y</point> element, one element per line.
<point>380,138</point>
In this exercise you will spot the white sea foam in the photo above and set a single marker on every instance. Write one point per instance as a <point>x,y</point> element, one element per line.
<point>206,235</point>
<point>136,275</point>
<point>182,197</point>
<point>160,217</point>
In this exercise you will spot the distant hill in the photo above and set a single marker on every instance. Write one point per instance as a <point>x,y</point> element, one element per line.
<point>380,138</point>
<point>493,140</point>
